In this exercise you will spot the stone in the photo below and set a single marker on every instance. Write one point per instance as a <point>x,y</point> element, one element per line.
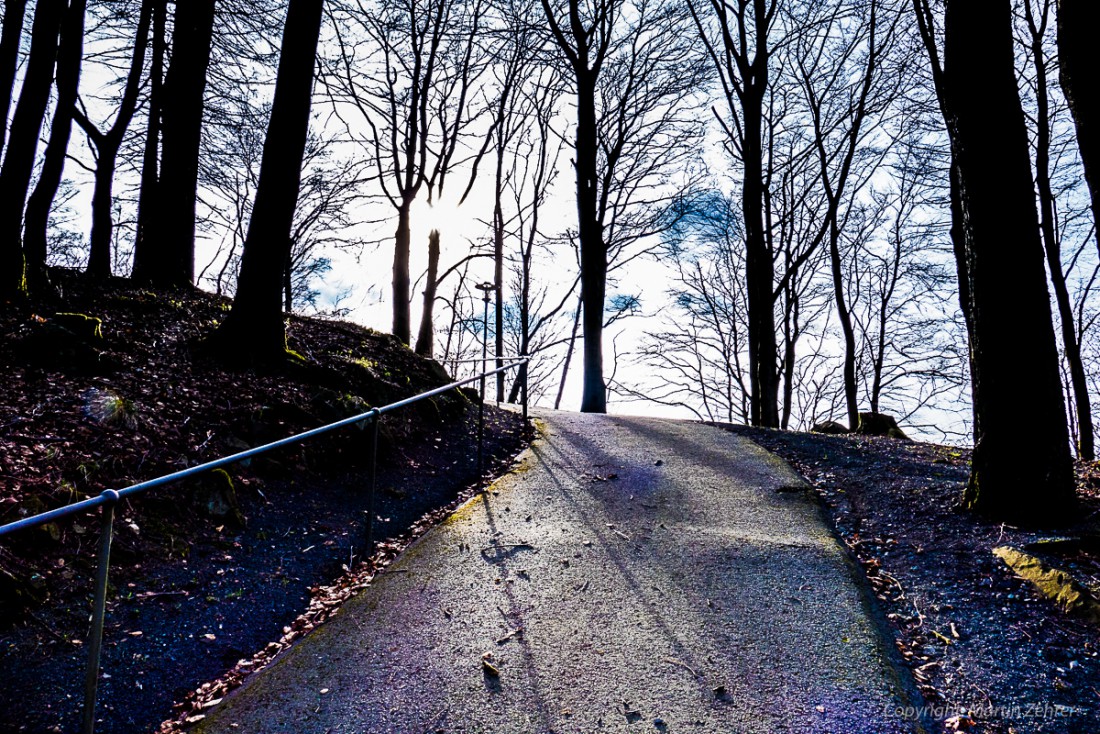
<point>830,427</point>
<point>880,424</point>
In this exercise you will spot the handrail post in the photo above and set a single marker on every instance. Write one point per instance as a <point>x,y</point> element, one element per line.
<point>99,610</point>
<point>481,430</point>
<point>373,482</point>
<point>523,386</point>
<point>485,289</point>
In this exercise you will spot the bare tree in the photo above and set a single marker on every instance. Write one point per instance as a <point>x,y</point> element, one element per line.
<point>107,144</point>
<point>331,190</point>
<point>1077,20</point>
<point>408,69</point>
<point>70,56</point>
<point>841,70</point>
<point>739,38</point>
<point>254,329</point>
<point>26,124</point>
<point>634,76</point>
<point>14,12</point>
<point>699,353</point>
<point>1036,29</point>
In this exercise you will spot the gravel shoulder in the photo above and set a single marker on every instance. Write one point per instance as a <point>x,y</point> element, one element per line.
<point>989,653</point>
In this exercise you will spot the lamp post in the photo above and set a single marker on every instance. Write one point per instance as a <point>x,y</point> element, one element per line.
<point>486,288</point>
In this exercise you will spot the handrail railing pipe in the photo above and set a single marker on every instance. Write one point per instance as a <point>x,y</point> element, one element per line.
<point>108,499</point>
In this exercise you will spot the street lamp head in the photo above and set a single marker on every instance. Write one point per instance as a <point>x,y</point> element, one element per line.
<point>486,288</point>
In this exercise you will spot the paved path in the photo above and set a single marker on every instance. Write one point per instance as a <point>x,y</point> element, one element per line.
<point>661,580</point>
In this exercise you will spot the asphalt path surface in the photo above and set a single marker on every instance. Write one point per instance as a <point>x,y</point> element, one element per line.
<point>633,574</point>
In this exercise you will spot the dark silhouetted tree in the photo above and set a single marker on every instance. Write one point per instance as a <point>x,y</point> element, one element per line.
<point>14,12</point>
<point>254,329</point>
<point>1079,59</point>
<point>107,145</point>
<point>26,124</point>
<point>70,55</point>
<point>1019,476</point>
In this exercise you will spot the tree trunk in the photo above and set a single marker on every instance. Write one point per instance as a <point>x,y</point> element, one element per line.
<point>148,257</point>
<point>70,54</point>
<point>181,107</point>
<point>254,329</point>
<point>759,267</point>
<point>881,339</point>
<point>593,248</point>
<point>99,258</point>
<point>1080,75</point>
<point>1070,344</point>
<point>851,399</point>
<point>14,12</point>
<point>107,146</point>
<point>26,125</point>
<point>1022,476</point>
<point>498,276</point>
<point>425,338</point>
<point>288,286</point>
<point>569,351</point>
<point>788,364</point>
<point>402,282</point>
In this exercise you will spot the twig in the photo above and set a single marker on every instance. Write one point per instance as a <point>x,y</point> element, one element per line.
<point>46,627</point>
<point>518,631</point>
<point>505,546</point>
<point>151,594</point>
<point>683,665</point>
<point>434,720</point>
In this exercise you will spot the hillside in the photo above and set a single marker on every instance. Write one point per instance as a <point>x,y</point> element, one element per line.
<point>112,386</point>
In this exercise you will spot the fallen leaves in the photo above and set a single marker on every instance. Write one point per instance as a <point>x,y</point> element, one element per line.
<point>487,666</point>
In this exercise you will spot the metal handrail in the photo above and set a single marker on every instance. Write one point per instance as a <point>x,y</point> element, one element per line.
<point>110,497</point>
<point>490,358</point>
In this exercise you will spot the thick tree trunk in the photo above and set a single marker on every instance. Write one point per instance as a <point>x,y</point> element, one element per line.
<point>1017,476</point>
<point>1080,76</point>
<point>26,125</point>
<point>402,282</point>
<point>254,329</point>
<point>181,126</point>
<point>425,338</point>
<point>148,257</point>
<point>14,12</point>
<point>593,247</point>
<point>70,54</point>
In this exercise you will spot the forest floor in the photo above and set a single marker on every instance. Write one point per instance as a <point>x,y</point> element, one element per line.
<point>987,651</point>
<point>208,578</point>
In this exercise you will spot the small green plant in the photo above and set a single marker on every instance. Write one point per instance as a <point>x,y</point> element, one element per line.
<point>109,408</point>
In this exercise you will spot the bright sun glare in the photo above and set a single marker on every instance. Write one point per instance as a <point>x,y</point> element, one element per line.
<point>452,222</point>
